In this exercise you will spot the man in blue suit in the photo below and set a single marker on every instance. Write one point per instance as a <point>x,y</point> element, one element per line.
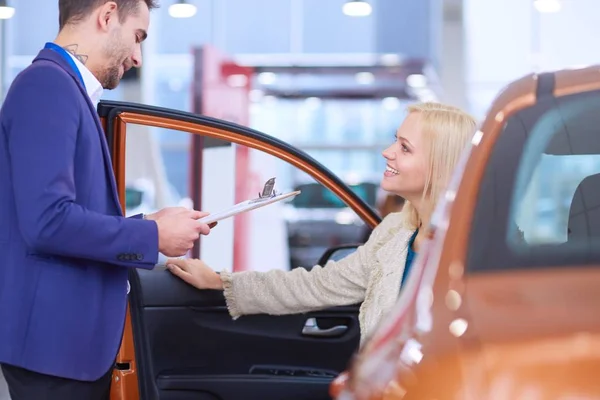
<point>65,247</point>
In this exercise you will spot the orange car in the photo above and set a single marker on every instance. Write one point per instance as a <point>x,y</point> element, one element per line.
<point>504,299</point>
<point>181,343</point>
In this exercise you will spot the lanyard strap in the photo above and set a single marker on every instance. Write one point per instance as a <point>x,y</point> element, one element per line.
<point>68,58</point>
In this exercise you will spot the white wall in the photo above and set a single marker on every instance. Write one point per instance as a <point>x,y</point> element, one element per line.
<point>497,47</point>
<point>452,72</point>
<point>218,177</point>
<point>507,39</point>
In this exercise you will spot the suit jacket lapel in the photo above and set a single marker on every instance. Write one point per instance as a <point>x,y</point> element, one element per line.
<point>51,55</point>
<point>105,151</point>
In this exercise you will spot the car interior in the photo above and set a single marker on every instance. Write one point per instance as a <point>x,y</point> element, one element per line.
<point>187,345</point>
<point>584,213</point>
<point>565,170</point>
<point>547,154</point>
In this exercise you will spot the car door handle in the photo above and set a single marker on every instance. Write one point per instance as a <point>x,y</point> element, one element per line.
<point>311,328</point>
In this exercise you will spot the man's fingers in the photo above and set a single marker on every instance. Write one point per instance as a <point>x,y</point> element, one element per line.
<point>203,229</point>
<point>194,214</point>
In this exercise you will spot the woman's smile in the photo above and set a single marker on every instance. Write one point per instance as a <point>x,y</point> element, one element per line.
<point>389,171</point>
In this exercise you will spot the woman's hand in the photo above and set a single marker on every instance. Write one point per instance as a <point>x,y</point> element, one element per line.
<point>195,272</point>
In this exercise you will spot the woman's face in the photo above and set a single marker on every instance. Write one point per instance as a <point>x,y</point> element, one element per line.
<point>406,170</point>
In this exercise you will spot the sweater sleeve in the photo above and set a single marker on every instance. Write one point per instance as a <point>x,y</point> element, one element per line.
<point>280,292</point>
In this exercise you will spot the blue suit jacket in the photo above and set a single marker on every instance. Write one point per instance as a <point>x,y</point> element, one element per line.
<point>65,247</point>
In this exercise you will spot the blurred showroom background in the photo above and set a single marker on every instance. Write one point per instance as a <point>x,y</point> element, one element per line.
<point>328,77</point>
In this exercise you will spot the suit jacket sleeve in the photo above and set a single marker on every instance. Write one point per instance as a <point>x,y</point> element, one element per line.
<point>161,258</point>
<point>279,292</point>
<point>42,143</point>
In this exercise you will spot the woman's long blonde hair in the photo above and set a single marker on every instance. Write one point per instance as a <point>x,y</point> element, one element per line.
<point>446,130</point>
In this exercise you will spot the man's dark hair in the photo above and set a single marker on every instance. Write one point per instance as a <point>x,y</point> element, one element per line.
<point>72,11</point>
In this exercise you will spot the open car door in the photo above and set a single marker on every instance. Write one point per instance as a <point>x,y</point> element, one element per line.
<point>180,342</point>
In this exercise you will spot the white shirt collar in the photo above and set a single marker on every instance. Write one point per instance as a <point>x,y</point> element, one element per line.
<point>93,86</point>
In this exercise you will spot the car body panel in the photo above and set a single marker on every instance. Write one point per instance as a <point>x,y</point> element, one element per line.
<point>501,334</point>
<point>180,342</point>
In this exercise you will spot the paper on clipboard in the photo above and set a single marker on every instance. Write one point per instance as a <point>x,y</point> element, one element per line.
<point>266,197</point>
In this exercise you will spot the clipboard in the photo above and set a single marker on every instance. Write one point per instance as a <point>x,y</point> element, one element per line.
<point>266,197</point>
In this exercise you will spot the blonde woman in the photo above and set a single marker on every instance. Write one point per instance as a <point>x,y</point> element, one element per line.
<point>425,151</point>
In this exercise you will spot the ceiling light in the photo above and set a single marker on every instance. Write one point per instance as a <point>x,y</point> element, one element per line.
<point>237,80</point>
<point>267,78</point>
<point>6,12</point>
<point>390,59</point>
<point>547,6</point>
<point>357,8</point>
<point>182,9</point>
<point>416,80</point>
<point>364,78</point>
<point>312,102</point>
<point>390,103</point>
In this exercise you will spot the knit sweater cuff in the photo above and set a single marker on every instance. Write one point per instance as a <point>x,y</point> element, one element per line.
<point>230,299</point>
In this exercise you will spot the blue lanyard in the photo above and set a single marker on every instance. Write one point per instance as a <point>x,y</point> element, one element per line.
<point>67,57</point>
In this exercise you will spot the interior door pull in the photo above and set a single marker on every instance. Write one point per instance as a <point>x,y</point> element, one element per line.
<point>311,328</point>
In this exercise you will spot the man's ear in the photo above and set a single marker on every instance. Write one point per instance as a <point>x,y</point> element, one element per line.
<point>108,13</point>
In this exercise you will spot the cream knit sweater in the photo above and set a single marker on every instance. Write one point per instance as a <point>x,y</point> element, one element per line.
<point>370,275</point>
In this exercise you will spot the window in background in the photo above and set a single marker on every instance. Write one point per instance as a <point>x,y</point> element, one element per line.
<point>347,136</point>
<point>294,233</point>
<point>172,89</point>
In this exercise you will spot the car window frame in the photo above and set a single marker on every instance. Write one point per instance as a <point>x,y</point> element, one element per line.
<point>505,257</point>
<point>116,115</point>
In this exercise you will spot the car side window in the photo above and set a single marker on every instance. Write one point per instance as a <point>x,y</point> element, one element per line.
<point>283,235</point>
<point>539,202</point>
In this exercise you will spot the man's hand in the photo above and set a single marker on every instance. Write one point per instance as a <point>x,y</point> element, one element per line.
<point>178,230</point>
<point>172,211</point>
<point>166,212</point>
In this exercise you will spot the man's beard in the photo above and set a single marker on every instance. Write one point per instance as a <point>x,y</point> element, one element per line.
<point>110,76</point>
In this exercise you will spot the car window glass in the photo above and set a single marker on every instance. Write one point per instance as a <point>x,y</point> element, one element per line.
<point>546,207</point>
<point>539,202</point>
<point>279,236</point>
<point>317,196</point>
<point>557,195</point>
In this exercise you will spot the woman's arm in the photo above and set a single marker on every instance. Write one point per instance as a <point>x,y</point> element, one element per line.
<point>288,292</point>
<point>299,290</point>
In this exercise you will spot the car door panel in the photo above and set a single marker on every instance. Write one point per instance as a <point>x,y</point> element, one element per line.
<point>191,344</point>
<point>186,343</point>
